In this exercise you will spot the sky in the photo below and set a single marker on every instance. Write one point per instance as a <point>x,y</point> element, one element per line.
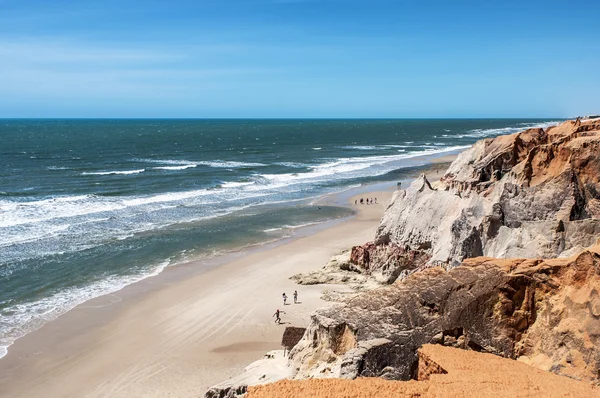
<point>299,58</point>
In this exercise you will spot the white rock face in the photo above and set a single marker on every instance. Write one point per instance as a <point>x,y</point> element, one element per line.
<point>529,194</point>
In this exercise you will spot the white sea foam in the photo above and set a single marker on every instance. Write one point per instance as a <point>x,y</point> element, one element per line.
<point>105,173</point>
<point>230,164</point>
<point>295,226</point>
<point>14,213</point>
<point>374,147</point>
<point>193,163</point>
<point>164,161</point>
<point>234,184</point>
<point>345,168</point>
<point>182,167</point>
<point>362,147</point>
<point>291,164</point>
<point>484,133</point>
<point>396,146</point>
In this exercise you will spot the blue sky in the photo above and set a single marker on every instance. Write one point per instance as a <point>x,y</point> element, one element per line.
<point>299,58</point>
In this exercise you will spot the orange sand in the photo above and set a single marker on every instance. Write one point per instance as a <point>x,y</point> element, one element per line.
<point>469,374</point>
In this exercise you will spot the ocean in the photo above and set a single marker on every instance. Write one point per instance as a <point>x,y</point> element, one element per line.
<point>90,206</point>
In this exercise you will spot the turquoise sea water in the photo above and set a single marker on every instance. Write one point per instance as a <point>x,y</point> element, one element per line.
<point>89,206</point>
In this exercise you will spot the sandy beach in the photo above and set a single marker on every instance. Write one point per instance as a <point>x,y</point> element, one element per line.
<point>173,335</point>
<point>182,331</point>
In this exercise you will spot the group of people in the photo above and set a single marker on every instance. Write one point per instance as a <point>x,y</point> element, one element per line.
<point>362,201</point>
<point>278,313</point>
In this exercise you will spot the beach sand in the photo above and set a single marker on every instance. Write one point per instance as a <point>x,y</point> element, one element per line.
<point>175,335</point>
<point>183,331</point>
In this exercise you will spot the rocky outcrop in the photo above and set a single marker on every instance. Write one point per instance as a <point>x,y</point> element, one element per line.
<point>531,194</point>
<point>543,312</point>
<point>339,270</point>
<point>386,261</point>
<point>442,372</point>
<point>367,266</point>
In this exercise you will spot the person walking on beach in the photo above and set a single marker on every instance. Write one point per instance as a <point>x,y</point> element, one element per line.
<point>284,298</point>
<point>278,316</point>
<point>295,297</point>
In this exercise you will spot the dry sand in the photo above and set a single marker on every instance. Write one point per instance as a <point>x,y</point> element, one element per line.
<point>176,334</point>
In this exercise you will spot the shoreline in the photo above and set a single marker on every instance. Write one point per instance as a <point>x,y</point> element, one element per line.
<point>87,339</point>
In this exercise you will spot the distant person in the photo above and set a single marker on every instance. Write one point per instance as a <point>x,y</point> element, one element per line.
<point>295,297</point>
<point>375,200</point>
<point>284,298</point>
<point>361,201</point>
<point>355,201</point>
<point>278,316</point>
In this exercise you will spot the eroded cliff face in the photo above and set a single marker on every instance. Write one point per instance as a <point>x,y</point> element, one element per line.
<point>531,194</point>
<point>543,312</point>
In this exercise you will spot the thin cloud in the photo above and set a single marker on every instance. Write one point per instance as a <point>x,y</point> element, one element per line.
<point>53,69</point>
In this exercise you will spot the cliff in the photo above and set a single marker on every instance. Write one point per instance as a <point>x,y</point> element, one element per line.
<point>543,312</point>
<point>442,372</point>
<point>531,194</point>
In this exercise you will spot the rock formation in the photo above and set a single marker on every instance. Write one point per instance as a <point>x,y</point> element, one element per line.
<point>442,372</point>
<point>367,266</point>
<point>491,258</point>
<point>531,194</point>
<point>543,312</point>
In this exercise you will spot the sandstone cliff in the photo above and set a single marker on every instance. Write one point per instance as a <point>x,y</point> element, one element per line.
<point>543,312</point>
<point>442,372</point>
<point>531,194</point>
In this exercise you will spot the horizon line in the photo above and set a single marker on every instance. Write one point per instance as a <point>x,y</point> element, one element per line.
<point>292,118</point>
